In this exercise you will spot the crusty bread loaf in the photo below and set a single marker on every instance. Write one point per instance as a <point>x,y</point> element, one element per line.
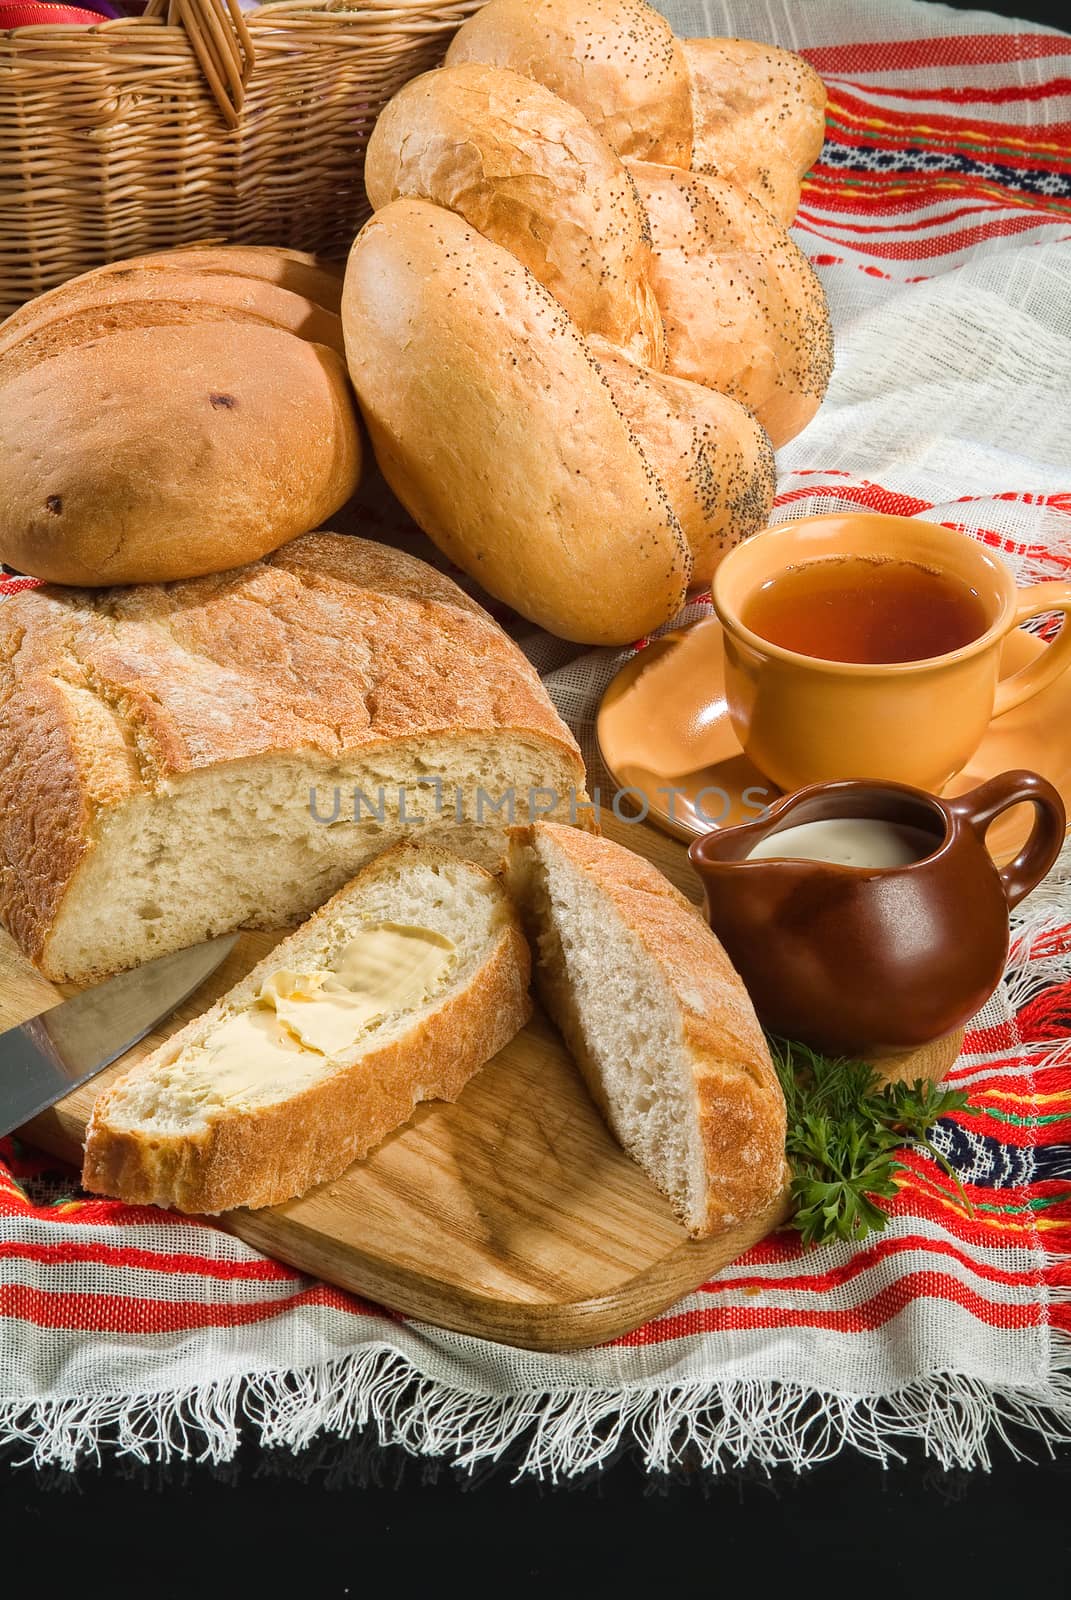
<point>658,1020</point>
<point>171,416</point>
<point>495,428</point>
<point>179,761</point>
<point>177,1131</point>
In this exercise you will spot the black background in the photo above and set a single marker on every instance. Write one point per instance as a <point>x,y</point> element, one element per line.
<point>343,1517</point>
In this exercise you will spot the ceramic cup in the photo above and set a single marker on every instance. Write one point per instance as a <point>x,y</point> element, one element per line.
<point>803,720</point>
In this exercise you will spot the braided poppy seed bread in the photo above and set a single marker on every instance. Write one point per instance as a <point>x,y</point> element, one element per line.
<point>745,111</point>
<point>627,250</point>
<point>561,132</point>
<point>531,174</point>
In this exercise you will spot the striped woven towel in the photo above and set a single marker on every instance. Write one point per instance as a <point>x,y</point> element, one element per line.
<point>939,217</point>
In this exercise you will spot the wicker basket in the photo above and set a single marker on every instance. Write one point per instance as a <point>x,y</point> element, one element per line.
<point>137,135</point>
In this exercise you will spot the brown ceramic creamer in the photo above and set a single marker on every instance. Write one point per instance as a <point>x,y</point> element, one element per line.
<point>873,960</point>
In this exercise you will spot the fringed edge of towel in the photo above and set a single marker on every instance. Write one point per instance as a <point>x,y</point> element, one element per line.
<point>555,1435</point>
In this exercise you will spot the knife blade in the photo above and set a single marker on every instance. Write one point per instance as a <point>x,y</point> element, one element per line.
<point>45,1058</point>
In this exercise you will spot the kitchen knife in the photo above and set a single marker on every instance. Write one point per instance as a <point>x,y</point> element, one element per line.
<point>44,1059</point>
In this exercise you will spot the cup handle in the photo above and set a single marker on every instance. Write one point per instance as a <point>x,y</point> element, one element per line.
<point>981,806</point>
<point>1040,597</point>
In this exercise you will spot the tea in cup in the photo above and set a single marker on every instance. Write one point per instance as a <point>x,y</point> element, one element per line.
<point>862,645</point>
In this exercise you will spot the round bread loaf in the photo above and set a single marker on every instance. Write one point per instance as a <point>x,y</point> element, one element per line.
<point>617,61</point>
<point>174,415</point>
<point>494,426</point>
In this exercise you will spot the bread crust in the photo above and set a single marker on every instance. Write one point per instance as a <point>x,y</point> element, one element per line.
<point>529,172</point>
<point>312,276</point>
<point>758,116</point>
<point>263,1157</point>
<point>309,276</point>
<point>495,428</point>
<point>617,61</point>
<point>743,308</point>
<point>712,455</point>
<point>102,303</point>
<point>330,645</point>
<point>740,1107</point>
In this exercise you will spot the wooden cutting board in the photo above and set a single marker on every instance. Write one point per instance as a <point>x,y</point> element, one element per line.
<point>512,1214</point>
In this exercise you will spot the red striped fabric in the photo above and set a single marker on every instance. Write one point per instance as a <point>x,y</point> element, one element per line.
<point>904,56</point>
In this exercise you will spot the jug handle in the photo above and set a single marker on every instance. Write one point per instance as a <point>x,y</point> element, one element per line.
<point>980,807</point>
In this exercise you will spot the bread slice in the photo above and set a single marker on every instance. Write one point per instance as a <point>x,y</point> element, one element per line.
<point>658,1020</point>
<point>179,1131</point>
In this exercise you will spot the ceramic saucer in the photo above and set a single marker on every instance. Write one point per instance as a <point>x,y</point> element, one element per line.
<point>664,733</point>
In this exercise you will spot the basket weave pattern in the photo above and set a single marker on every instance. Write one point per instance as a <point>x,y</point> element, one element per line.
<point>111,143</point>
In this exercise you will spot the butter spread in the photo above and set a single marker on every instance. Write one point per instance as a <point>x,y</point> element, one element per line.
<point>244,1050</point>
<point>382,969</point>
<point>386,967</point>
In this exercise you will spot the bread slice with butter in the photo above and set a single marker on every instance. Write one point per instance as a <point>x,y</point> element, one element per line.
<point>396,991</point>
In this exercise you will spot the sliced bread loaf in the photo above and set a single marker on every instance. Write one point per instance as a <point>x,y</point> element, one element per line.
<point>658,1020</point>
<point>395,992</point>
<point>179,761</point>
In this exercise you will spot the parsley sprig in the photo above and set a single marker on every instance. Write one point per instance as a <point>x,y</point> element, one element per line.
<point>844,1134</point>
